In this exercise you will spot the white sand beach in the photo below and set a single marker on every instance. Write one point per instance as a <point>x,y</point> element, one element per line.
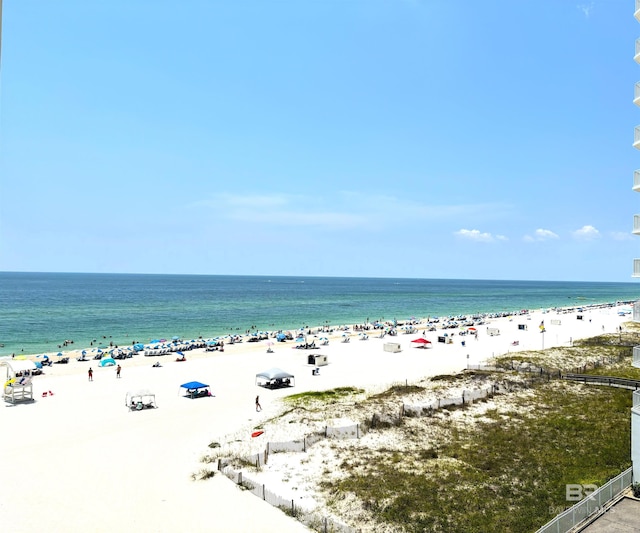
<point>81,461</point>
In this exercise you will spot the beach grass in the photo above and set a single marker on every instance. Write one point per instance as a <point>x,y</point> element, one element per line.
<point>501,467</point>
<point>506,471</point>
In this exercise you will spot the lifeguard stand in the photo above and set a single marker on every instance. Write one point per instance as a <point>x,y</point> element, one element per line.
<point>18,388</point>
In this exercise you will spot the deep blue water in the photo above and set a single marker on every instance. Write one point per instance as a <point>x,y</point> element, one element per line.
<point>38,311</point>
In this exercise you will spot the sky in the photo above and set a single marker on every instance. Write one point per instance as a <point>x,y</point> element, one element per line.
<point>366,138</point>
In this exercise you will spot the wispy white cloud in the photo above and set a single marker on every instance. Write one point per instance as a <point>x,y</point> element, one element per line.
<point>541,235</point>
<point>586,9</point>
<point>586,233</point>
<point>478,236</point>
<point>341,209</point>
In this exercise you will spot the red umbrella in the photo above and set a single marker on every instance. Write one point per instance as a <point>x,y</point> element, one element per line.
<point>421,340</point>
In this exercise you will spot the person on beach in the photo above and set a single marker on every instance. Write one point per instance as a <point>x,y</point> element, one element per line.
<point>90,374</point>
<point>118,371</point>
<point>258,406</point>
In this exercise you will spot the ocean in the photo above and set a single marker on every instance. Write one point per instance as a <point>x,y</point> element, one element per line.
<point>39,311</point>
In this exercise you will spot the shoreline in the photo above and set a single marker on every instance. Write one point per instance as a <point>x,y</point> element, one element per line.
<point>84,435</point>
<point>318,330</point>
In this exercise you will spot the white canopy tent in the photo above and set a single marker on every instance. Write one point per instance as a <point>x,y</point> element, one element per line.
<point>140,399</point>
<point>275,378</point>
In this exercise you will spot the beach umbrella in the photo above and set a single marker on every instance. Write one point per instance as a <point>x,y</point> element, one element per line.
<point>59,354</point>
<point>180,353</point>
<point>300,339</point>
<point>473,329</point>
<point>175,338</point>
<point>154,341</point>
<point>38,364</point>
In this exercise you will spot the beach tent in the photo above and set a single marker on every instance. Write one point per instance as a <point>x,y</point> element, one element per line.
<point>196,389</point>
<point>274,376</point>
<point>107,361</point>
<point>140,399</point>
<point>422,342</point>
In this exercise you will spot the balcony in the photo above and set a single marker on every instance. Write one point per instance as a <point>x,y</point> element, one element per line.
<point>636,268</point>
<point>636,137</point>
<point>636,180</point>
<point>637,12</point>
<point>636,93</point>
<point>636,363</point>
<point>636,225</point>
<point>636,56</point>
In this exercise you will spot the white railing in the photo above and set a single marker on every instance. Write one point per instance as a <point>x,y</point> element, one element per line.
<point>636,398</point>
<point>636,57</point>
<point>636,137</point>
<point>636,180</point>
<point>636,93</point>
<point>637,11</point>
<point>592,504</point>
<point>636,274</point>
<point>636,357</point>
<point>636,224</point>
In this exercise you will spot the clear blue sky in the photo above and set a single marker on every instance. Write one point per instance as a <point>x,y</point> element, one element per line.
<point>391,138</point>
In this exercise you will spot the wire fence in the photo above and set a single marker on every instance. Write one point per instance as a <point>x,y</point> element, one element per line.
<point>311,518</point>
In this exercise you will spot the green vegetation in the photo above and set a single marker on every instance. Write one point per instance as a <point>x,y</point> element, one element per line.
<point>324,396</point>
<point>501,465</point>
<point>505,471</point>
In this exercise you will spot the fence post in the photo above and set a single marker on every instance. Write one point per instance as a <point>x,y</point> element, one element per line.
<point>240,478</point>
<point>264,495</point>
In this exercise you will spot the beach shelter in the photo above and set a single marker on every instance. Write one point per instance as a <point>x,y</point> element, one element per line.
<point>107,361</point>
<point>140,399</point>
<point>195,389</point>
<point>422,342</point>
<point>274,377</point>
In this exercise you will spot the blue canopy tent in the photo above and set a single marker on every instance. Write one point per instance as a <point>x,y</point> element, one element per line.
<point>195,389</point>
<point>107,361</point>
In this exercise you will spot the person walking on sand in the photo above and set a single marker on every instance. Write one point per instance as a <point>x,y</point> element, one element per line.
<point>118,371</point>
<point>90,374</point>
<point>258,406</point>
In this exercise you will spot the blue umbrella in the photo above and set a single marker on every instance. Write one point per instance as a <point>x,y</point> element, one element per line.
<point>138,346</point>
<point>180,353</point>
<point>154,341</point>
<point>38,364</point>
<point>176,338</point>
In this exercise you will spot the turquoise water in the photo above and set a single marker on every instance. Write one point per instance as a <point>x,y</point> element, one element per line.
<point>38,311</point>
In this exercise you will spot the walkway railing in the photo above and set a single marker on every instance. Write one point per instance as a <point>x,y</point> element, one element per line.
<point>592,504</point>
